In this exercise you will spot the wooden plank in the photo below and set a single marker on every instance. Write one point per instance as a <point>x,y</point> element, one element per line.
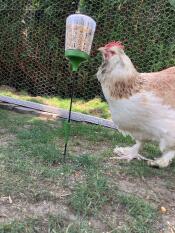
<point>62,113</point>
<point>25,110</point>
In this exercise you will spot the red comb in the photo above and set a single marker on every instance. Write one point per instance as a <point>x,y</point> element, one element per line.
<point>114,43</point>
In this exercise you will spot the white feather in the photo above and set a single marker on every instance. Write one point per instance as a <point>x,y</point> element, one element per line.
<point>145,117</point>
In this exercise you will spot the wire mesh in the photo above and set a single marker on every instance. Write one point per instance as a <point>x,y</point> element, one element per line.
<point>32,37</point>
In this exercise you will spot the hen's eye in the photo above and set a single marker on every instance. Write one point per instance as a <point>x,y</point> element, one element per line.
<point>112,53</point>
<point>108,54</point>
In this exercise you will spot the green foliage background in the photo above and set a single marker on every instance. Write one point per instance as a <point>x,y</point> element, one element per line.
<point>32,41</point>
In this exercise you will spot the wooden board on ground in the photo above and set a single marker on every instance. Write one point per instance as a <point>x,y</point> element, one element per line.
<point>24,106</point>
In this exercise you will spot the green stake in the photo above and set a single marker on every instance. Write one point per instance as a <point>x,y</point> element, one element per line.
<point>76,57</point>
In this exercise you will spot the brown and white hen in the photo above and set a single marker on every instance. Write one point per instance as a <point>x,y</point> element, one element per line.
<point>141,104</point>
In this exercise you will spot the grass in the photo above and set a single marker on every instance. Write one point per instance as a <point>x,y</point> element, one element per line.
<point>52,225</point>
<point>95,107</point>
<point>91,195</point>
<point>33,175</point>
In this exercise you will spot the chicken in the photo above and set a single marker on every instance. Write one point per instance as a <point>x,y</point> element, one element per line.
<point>141,104</point>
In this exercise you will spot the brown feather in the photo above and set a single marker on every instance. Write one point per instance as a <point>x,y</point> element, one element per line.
<point>161,84</point>
<point>125,89</point>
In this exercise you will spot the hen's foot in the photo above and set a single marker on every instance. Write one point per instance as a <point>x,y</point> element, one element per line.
<point>159,163</point>
<point>128,153</point>
<point>164,161</point>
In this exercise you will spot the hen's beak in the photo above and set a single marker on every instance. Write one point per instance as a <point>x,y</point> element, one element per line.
<point>101,49</point>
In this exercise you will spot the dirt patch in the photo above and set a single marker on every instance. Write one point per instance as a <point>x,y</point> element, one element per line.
<point>83,147</point>
<point>155,191</point>
<point>21,210</point>
<point>6,138</point>
<point>169,223</point>
<point>112,216</point>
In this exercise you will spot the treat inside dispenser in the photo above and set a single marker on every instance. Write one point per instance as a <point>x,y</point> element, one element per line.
<point>79,36</point>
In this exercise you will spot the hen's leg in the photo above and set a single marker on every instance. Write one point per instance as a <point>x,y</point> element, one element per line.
<point>163,161</point>
<point>129,153</point>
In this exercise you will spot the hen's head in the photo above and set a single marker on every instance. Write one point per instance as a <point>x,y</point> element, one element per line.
<point>116,64</point>
<point>114,48</point>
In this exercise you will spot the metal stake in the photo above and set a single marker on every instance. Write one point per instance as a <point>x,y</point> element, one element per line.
<point>67,129</point>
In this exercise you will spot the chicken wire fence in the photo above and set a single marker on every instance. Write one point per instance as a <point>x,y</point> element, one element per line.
<point>33,35</point>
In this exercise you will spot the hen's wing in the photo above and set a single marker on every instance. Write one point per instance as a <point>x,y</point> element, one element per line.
<point>161,84</point>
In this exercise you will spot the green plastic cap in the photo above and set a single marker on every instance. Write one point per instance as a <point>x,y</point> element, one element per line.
<point>76,57</point>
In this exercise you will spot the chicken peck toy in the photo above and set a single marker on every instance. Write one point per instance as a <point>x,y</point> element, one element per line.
<point>80,31</point>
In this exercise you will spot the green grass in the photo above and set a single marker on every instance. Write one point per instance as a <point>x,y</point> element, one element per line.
<point>143,214</point>
<point>90,197</point>
<point>32,172</point>
<point>92,194</point>
<point>95,107</point>
<point>50,224</point>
